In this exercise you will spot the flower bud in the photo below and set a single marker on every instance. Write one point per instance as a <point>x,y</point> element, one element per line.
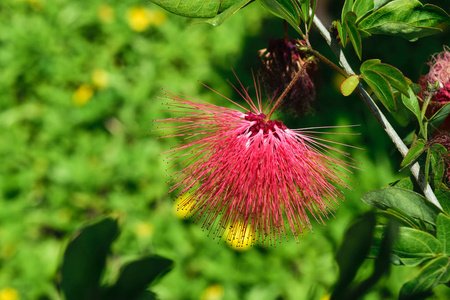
<point>280,62</point>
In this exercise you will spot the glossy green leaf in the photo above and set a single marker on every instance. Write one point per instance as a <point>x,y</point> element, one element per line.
<point>135,277</point>
<point>350,16</point>
<point>413,153</point>
<point>304,6</point>
<point>392,75</point>
<point>367,64</point>
<point>225,14</point>
<point>442,193</point>
<point>380,86</point>
<point>85,258</point>
<point>426,279</point>
<point>409,19</point>
<point>411,247</point>
<point>408,201</point>
<point>349,85</point>
<point>196,8</point>
<point>407,183</point>
<point>403,218</point>
<point>342,31</point>
<point>438,117</point>
<point>348,5</point>
<point>285,9</point>
<point>355,38</point>
<point>362,7</point>
<point>443,232</point>
<point>379,3</point>
<point>412,103</point>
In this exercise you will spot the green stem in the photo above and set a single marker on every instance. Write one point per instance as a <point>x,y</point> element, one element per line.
<point>328,62</point>
<point>415,168</point>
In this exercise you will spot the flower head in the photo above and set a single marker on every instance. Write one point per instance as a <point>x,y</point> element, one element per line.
<point>280,62</point>
<point>239,167</point>
<point>440,74</point>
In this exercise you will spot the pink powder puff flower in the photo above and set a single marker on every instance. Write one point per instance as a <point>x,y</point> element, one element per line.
<point>240,168</point>
<point>440,73</point>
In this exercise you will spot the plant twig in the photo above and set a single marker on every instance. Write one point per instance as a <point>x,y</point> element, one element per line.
<point>415,168</point>
<point>287,89</point>
<point>327,61</point>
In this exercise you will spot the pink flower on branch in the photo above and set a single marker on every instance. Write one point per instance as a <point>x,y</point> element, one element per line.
<point>238,167</point>
<point>440,73</point>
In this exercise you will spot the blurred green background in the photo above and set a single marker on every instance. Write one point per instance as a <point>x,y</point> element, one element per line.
<point>78,81</point>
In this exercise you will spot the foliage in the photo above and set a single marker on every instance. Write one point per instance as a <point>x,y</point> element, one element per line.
<point>85,260</point>
<point>78,87</point>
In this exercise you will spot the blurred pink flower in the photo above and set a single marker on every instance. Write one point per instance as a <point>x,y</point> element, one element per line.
<point>238,168</point>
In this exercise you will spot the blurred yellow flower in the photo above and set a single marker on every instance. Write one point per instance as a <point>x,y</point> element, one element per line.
<point>100,78</point>
<point>239,237</point>
<point>9,293</point>
<point>82,95</point>
<point>144,229</point>
<point>140,18</point>
<point>183,206</point>
<point>157,18</point>
<point>105,13</point>
<point>326,297</point>
<point>212,292</point>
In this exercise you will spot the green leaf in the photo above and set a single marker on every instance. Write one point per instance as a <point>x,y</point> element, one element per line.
<point>412,103</point>
<point>85,258</point>
<point>284,9</point>
<point>342,30</point>
<point>379,3</point>
<point>426,279</point>
<point>367,64</point>
<point>380,86</point>
<point>403,218</point>
<point>135,277</point>
<point>362,7</point>
<point>392,75</point>
<point>443,195</point>
<point>313,8</point>
<point>413,153</point>
<point>410,202</point>
<point>437,163</point>
<point>355,38</point>
<point>348,5</point>
<point>411,247</point>
<point>349,85</point>
<point>438,117</point>
<point>407,183</point>
<point>443,232</point>
<point>304,6</point>
<point>225,14</point>
<point>353,251</point>
<point>196,8</point>
<point>409,19</point>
